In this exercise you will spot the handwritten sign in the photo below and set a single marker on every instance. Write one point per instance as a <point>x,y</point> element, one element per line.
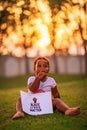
<point>36,104</point>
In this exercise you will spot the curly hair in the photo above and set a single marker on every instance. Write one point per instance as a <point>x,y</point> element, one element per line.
<point>41,58</point>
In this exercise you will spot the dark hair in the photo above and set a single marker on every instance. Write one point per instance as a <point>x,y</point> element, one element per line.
<point>40,58</point>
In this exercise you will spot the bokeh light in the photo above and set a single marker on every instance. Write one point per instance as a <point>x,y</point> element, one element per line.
<point>35,28</point>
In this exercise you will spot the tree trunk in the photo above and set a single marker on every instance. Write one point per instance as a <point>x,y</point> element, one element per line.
<point>85,46</point>
<point>27,64</point>
<point>55,62</point>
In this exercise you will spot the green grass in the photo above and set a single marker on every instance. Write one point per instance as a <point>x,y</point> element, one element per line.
<point>73,90</point>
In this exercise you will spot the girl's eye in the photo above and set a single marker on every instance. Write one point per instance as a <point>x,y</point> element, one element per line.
<point>45,66</point>
<point>39,66</point>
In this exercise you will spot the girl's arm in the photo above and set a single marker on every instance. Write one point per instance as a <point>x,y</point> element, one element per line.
<point>35,85</point>
<point>55,92</point>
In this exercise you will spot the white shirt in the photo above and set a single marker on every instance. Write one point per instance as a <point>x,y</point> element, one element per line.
<point>45,86</point>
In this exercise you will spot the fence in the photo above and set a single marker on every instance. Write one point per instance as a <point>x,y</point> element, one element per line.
<point>13,66</point>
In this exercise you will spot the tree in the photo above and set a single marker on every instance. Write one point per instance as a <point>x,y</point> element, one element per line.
<point>54,28</point>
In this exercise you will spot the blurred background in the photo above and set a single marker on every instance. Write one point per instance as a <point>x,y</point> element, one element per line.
<point>53,28</point>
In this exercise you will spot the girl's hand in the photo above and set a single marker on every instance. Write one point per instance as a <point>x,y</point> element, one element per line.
<point>41,75</point>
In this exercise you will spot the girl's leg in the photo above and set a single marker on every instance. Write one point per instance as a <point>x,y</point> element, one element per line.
<point>61,106</point>
<point>19,112</point>
<point>19,105</point>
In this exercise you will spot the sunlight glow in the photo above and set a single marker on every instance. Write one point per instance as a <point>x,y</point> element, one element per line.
<point>37,29</point>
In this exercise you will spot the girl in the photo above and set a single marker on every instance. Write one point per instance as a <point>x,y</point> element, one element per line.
<point>41,82</point>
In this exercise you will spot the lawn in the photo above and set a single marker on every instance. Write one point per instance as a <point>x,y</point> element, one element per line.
<point>73,90</point>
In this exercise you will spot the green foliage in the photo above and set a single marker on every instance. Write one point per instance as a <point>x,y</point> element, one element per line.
<point>73,90</point>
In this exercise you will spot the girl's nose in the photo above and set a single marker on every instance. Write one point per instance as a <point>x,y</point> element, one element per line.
<point>42,69</point>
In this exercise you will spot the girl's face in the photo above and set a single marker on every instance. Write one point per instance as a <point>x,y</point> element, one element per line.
<point>42,66</point>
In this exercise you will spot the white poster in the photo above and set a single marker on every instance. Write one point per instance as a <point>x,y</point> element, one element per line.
<point>36,104</point>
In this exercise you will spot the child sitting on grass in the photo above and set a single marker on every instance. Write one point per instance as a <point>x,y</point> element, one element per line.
<point>41,82</point>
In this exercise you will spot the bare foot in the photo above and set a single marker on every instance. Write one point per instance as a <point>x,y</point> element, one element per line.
<point>72,111</point>
<point>19,114</point>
